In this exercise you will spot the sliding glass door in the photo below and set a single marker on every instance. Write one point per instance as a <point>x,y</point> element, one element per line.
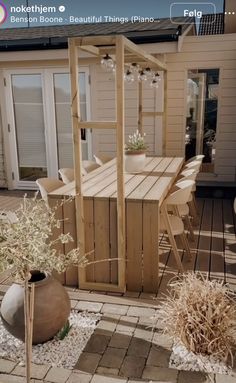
<point>40,129</point>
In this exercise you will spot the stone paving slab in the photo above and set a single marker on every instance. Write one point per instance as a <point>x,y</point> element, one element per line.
<point>107,371</point>
<point>6,366</point>
<point>120,340</point>
<point>5,378</point>
<point>159,357</point>
<point>160,374</point>
<point>141,312</point>
<point>112,357</point>
<point>195,377</point>
<point>107,379</point>
<point>88,362</point>
<point>97,343</point>
<point>58,375</point>
<point>114,309</point>
<point>79,377</point>
<point>94,307</point>
<point>225,378</point>
<point>132,367</point>
<point>139,347</point>
<point>37,371</point>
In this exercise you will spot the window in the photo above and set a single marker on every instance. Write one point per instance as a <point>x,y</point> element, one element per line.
<point>201,118</point>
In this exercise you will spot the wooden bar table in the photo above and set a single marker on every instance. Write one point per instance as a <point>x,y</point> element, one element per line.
<point>144,194</point>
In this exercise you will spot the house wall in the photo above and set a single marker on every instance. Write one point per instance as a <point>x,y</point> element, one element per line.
<point>218,51</point>
<point>104,109</point>
<point>2,158</point>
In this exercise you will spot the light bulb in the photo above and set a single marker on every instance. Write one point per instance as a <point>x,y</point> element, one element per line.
<point>157,77</point>
<point>154,84</point>
<point>128,76</point>
<point>149,73</point>
<point>142,76</point>
<point>107,62</point>
<point>134,68</point>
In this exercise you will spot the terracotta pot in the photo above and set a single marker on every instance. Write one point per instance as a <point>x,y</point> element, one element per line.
<point>51,308</point>
<point>134,161</point>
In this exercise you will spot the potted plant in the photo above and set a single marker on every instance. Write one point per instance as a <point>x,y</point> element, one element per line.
<point>36,306</point>
<point>200,317</point>
<point>135,153</point>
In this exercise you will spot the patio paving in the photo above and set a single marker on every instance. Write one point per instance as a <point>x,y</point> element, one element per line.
<point>123,347</point>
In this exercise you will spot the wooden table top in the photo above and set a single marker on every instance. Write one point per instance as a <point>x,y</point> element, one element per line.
<point>152,184</point>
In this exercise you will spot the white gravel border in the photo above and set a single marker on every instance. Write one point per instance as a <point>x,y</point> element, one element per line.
<point>56,353</point>
<point>182,359</point>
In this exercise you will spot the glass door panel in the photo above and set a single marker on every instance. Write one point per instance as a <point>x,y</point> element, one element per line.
<point>201,119</point>
<point>27,97</point>
<point>63,118</point>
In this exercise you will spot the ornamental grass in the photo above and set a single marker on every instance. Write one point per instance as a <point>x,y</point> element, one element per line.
<point>201,314</point>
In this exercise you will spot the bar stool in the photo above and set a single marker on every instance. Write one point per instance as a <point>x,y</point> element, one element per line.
<point>47,185</point>
<point>173,224</point>
<point>199,157</point>
<point>102,158</point>
<point>89,166</point>
<point>67,175</point>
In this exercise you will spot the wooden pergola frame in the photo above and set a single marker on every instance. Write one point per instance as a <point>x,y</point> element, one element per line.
<point>125,51</point>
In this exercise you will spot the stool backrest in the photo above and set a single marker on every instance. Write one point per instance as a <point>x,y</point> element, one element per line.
<point>199,157</point>
<point>47,185</point>
<point>180,193</point>
<point>67,175</point>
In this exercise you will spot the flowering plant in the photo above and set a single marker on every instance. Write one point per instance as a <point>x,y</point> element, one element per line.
<point>136,142</point>
<point>26,242</point>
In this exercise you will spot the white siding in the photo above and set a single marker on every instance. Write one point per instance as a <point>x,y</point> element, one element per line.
<point>103,109</point>
<point>199,53</point>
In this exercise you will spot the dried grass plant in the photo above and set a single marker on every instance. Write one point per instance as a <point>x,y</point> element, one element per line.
<point>201,314</point>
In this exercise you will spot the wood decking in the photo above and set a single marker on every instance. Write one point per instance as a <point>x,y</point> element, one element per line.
<point>214,250</point>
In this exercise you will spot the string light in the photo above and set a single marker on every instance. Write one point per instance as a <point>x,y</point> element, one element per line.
<point>129,76</point>
<point>133,72</point>
<point>107,62</point>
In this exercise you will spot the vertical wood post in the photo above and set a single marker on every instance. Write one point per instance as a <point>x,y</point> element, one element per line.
<point>140,107</point>
<point>164,118</point>
<point>75,110</point>
<point>120,159</point>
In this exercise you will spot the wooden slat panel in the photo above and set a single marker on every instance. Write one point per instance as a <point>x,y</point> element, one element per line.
<point>113,242</point>
<point>71,275</point>
<point>101,237</point>
<point>150,247</point>
<point>89,236</point>
<point>134,221</point>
